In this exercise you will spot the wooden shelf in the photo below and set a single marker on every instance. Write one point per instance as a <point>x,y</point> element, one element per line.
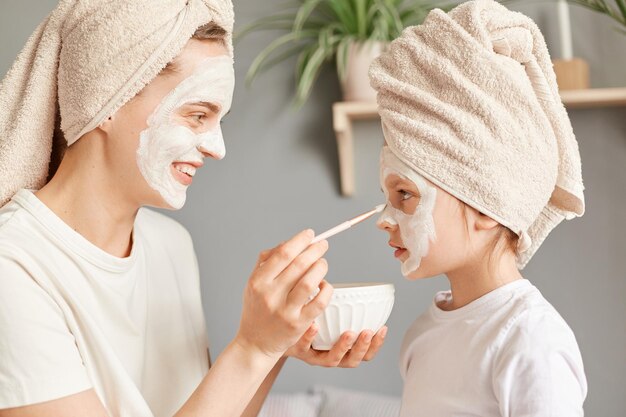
<point>344,113</point>
<point>594,97</point>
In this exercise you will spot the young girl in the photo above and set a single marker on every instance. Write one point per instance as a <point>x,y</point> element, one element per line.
<point>480,164</point>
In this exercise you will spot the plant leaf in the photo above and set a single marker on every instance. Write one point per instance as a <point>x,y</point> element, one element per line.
<point>264,23</point>
<point>310,73</point>
<point>270,49</point>
<point>308,6</point>
<point>342,57</point>
<point>361,18</point>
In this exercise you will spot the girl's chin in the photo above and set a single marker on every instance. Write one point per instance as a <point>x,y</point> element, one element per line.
<point>418,273</point>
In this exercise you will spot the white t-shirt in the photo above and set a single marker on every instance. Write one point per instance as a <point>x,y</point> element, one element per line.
<point>507,354</point>
<point>73,317</point>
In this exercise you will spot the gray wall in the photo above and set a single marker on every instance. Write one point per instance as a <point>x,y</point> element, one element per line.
<point>281,176</point>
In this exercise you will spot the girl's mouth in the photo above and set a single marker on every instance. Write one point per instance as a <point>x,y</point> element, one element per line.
<point>399,250</point>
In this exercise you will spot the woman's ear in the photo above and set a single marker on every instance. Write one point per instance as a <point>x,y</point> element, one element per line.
<point>484,222</point>
<point>107,124</point>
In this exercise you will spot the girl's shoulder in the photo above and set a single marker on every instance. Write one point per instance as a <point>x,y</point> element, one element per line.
<point>534,326</point>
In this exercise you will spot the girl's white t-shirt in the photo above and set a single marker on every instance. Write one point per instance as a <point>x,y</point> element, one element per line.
<point>73,317</point>
<point>508,353</point>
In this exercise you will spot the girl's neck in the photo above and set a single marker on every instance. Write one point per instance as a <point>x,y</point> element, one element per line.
<point>86,199</point>
<point>475,279</point>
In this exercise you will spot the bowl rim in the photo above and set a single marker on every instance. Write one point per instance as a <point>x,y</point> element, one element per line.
<point>353,286</point>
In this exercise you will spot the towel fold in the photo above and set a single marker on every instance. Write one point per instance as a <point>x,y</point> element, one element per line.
<point>85,61</point>
<point>469,100</point>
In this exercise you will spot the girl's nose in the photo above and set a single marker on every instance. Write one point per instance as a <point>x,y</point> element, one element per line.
<point>386,222</point>
<point>386,226</point>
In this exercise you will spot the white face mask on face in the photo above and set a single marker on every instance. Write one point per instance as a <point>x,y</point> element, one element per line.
<point>417,230</point>
<point>165,141</point>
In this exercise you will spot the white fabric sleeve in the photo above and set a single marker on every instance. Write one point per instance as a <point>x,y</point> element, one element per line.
<point>538,370</point>
<point>39,360</point>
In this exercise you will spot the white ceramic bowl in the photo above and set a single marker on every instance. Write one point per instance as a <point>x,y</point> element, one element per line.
<point>355,307</point>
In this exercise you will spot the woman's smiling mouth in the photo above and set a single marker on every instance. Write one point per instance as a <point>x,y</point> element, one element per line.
<point>184,171</point>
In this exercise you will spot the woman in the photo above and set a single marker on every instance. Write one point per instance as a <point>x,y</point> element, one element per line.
<point>100,312</point>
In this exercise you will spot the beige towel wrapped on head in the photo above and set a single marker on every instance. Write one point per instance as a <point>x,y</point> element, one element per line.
<point>469,100</point>
<point>85,61</point>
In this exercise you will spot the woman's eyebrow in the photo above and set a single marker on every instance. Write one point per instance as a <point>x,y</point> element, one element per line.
<point>215,108</point>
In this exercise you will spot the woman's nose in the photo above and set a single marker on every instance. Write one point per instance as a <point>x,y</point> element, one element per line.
<point>207,153</point>
<point>211,144</point>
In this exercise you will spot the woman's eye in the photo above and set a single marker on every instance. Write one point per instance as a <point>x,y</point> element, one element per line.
<point>198,117</point>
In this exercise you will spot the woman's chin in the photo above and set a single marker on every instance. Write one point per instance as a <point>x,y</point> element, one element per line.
<point>157,200</point>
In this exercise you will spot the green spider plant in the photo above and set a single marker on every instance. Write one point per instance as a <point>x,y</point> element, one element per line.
<point>321,31</point>
<point>615,9</point>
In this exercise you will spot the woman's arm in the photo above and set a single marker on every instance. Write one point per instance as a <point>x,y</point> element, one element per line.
<point>255,405</point>
<point>345,354</point>
<point>83,404</point>
<point>276,313</point>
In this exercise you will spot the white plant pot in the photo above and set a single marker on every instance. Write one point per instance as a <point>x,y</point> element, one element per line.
<point>356,86</point>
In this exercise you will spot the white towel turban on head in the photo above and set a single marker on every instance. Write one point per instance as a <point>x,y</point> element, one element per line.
<point>469,100</point>
<point>85,61</point>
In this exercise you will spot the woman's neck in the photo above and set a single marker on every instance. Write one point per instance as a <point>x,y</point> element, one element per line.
<point>86,199</point>
<point>477,278</point>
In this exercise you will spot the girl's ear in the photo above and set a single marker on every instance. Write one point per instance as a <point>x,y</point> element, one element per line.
<point>484,222</point>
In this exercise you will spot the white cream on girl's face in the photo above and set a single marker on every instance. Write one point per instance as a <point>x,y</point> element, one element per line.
<point>170,149</point>
<point>417,229</point>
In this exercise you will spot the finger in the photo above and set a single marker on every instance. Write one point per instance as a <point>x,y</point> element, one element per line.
<point>377,343</point>
<point>282,256</point>
<point>301,264</point>
<point>304,344</point>
<point>358,351</point>
<point>316,306</point>
<point>337,352</point>
<point>263,256</point>
<point>308,284</point>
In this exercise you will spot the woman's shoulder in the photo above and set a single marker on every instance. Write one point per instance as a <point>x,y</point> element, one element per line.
<point>8,213</point>
<point>17,229</point>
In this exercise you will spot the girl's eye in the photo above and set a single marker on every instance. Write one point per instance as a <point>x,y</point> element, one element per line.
<point>405,195</point>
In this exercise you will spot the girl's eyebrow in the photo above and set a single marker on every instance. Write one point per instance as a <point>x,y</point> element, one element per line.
<point>406,184</point>
<point>396,181</point>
